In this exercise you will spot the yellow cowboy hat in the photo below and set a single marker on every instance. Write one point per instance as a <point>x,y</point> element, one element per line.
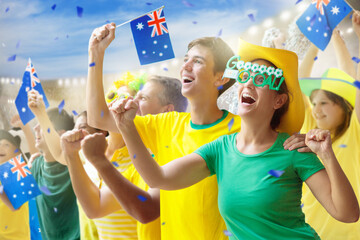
<point>292,121</point>
<point>333,80</point>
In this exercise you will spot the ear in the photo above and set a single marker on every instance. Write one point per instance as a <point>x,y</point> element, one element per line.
<point>280,100</point>
<point>220,81</point>
<point>168,108</point>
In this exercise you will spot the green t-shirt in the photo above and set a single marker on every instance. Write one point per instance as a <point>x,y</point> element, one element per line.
<point>58,211</point>
<point>254,203</point>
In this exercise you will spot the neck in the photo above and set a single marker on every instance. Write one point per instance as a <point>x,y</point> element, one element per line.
<point>204,111</point>
<point>115,141</point>
<point>48,157</point>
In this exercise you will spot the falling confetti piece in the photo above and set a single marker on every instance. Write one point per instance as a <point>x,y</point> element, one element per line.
<point>350,17</point>
<point>75,113</point>
<point>53,7</point>
<point>1,189</point>
<point>148,3</point>
<point>134,156</point>
<point>219,33</point>
<point>357,84</point>
<point>276,173</point>
<point>67,36</point>
<point>283,44</point>
<point>45,190</point>
<point>230,124</point>
<point>220,87</point>
<point>165,69</point>
<point>92,64</point>
<point>302,205</point>
<point>342,146</point>
<point>55,209</point>
<point>12,58</point>
<point>298,1</point>
<point>48,130</point>
<point>315,58</point>
<point>18,44</point>
<point>355,59</point>
<point>227,233</point>
<point>312,20</point>
<point>80,11</point>
<point>194,22</point>
<point>16,150</point>
<point>6,227</point>
<point>141,86</point>
<point>187,4</point>
<point>252,17</point>
<point>142,198</point>
<point>115,164</point>
<point>7,9</point>
<point>102,113</point>
<point>152,155</point>
<point>57,38</point>
<point>163,223</point>
<point>61,106</point>
<point>167,146</point>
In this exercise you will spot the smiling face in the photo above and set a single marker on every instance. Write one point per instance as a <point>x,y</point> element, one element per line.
<point>328,115</point>
<point>39,138</point>
<point>148,99</point>
<point>7,150</point>
<point>197,73</point>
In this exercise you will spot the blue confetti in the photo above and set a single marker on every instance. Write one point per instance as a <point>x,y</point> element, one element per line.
<point>167,146</point>
<point>219,33</point>
<point>148,3</point>
<point>276,173</point>
<point>12,58</point>
<point>61,106</point>
<point>220,87</point>
<point>227,233</point>
<point>134,156</point>
<point>18,44</point>
<point>357,84</point>
<point>141,86</point>
<point>313,20</point>
<point>80,11</point>
<point>6,227</point>
<point>53,7</point>
<point>355,59</point>
<point>252,17</point>
<point>102,113</point>
<point>187,4</point>
<point>92,64</point>
<point>163,223</point>
<point>283,44</point>
<point>152,155</point>
<point>350,17</point>
<point>315,58</point>
<point>302,205</point>
<point>194,22</point>
<point>115,164</point>
<point>55,209</point>
<point>342,146</point>
<point>67,36</point>
<point>45,190</point>
<point>57,38</point>
<point>48,130</point>
<point>298,1</point>
<point>1,189</point>
<point>75,113</point>
<point>107,21</point>
<point>142,198</point>
<point>16,150</point>
<point>166,69</point>
<point>230,124</point>
<point>7,9</point>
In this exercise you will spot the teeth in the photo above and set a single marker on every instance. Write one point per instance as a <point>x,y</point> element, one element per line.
<point>249,96</point>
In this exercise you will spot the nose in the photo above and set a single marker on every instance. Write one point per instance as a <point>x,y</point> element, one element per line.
<point>186,65</point>
<point>249,83</point>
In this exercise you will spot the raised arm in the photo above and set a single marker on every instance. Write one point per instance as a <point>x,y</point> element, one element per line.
<point>97,110</point>
<point>30,139</point>
<point>177,174</point>
<point>331,186</point>
<point>306,66</point>
<point>143,206</point>
<point>52,138</point>
<point>356,26</point>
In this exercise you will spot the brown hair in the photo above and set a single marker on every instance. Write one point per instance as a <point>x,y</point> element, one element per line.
<point>221,53</point>
<point>345,106</point>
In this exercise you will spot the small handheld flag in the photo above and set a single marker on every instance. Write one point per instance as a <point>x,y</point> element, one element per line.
<point>18,182</point>
<point>320,19</point>
<point>30,81</point>
<point>151,37</point>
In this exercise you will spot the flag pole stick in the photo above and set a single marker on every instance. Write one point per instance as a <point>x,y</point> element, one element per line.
<point>138,17</point>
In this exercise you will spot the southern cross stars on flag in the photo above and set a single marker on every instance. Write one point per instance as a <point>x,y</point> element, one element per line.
<point>320,19</point>
<point>18,182</point>
<point>151,37</point>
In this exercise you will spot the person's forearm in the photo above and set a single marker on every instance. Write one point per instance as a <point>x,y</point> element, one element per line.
<point>51,136</point>
<point>343,197</point>
<point>98,114</point>
<point>135,201</point>
<point>30,139</point>
<point>343,56</point>
<point>307,63</point>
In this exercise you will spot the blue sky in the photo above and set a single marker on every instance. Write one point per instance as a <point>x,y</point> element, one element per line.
<point>57,40</point>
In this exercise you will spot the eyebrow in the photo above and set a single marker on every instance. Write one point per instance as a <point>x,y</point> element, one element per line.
<point>196,56</point>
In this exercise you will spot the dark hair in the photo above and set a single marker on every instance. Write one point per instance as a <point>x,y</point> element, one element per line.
<point>171,92</point>
<point>346,107</point>
<point>221,53</point>
<point>14,140</point>
<point>276,118</point>
<point>61,121</point>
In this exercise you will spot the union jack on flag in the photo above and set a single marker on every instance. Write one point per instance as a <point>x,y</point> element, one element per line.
<point>18,182</point>
<point>33,75</point>
<point>151,37</point>
<point>319,5</point>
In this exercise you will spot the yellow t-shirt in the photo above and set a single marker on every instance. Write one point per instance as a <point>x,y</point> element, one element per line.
<point>118,225</point>
<point>14,225</point>
<point>190,213</point>
<point>347,151</point>
<point>151,230</point>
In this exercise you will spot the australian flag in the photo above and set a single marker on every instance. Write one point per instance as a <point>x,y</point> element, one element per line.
<point>18,182</point>
<point>151,37</point>
<point>30,81</point>
<point>320,19</point>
